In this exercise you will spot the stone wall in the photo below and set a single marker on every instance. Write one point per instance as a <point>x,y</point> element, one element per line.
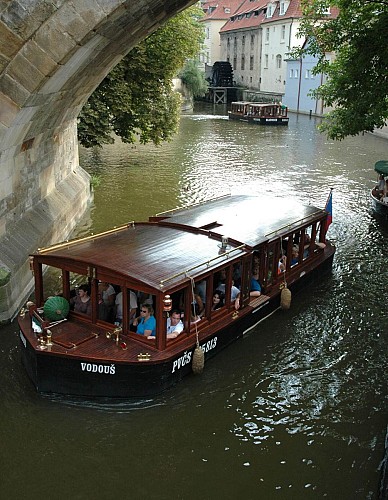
<point>52,56</point>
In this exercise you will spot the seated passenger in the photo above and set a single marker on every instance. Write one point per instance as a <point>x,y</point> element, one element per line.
<point>146,322</point>
<point>81,301</point>
<point>119,307</point>
<point>195,317</point>
<point>218,300</point>
<point>282,264</point>
<point>200,305</point>
<point>255,288</point>
<point>234,291</point>
<point>108,294</point>
<point>174,324</point>
<point>295,255</point>
<point>200,289</point>
<point>307,241</point>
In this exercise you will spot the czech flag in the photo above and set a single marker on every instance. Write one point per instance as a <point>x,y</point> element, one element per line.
<point>329,209</point>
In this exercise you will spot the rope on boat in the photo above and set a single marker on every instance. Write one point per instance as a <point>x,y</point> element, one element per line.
<point>199,355</point>
<point>285,294</point>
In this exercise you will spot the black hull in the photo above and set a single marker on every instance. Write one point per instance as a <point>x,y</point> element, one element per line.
<point>269,121</point>
<point>260,121</point>
<point>75,376</point>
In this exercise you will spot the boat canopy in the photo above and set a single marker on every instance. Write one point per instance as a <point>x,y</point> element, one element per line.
<point>381,167</point>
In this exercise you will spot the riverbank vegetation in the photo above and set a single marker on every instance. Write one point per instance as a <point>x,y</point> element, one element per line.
<point>136,101</point>
<point>357,84</point>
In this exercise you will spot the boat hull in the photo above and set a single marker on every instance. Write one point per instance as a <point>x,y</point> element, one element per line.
<point>260,121</point>
<point>379,207</point>
<point>51,373</point>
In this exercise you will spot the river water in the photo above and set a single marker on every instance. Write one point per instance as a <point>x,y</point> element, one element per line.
<point>297,409</point>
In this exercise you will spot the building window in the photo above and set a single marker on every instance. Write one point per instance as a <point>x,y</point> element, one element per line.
<point>266,61</point>
<point>266,35</point>
<point>234,63</point>
<point>278,61</point>
<point>252,42</point>
<point>269,11</point>
<point>307,73</point>
<point>207,33</point>
<point>243,62</point>
<point>296,73</point>
<point>243,42</point>
<point>228,42</point>
<point>251,62</point>
<point>281,8</point>
<point>291,73</point>
<point>283,33</point>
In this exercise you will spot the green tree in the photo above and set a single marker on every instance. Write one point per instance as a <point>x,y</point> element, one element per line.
<point>136,100</point>
<point>357,84</point>
<point>194,78</point>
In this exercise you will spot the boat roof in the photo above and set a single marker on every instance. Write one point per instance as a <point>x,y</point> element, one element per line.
<point>186,241</point>
<point>382,167</point>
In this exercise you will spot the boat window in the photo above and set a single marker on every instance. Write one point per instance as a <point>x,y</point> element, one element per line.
<point>52,282</point>
<point>107,293</point>
<point>270,264</point>
<point>219,289</point>
<point>79,293</point>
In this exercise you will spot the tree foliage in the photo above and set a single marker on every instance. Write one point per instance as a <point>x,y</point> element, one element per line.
<point>194,78</point>
<point>357,84</point>
<point>136,100</point>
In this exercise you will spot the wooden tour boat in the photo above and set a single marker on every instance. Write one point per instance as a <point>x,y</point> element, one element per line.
<point>168,261</point>
<point>379,194</point>
<point>259,112</point>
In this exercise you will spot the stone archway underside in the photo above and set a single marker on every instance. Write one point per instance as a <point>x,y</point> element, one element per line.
<point>52,56</point>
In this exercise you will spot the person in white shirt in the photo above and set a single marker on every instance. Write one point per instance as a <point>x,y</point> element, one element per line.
<point>132,307</point>
<point>174,324</point>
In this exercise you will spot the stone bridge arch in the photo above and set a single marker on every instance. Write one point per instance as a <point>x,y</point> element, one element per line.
<point>52,56</point>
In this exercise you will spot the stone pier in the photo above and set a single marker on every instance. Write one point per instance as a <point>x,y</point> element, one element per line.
<point>52,56</point>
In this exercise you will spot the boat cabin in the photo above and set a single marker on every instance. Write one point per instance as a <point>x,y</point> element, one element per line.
<point>178,259</point>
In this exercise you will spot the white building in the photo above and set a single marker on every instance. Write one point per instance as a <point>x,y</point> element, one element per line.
<point>280,27</point>
<point>216,15</point>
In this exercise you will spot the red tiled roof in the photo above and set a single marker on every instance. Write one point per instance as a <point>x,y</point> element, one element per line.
<point>218,9</point>
<point>246,21</point>
<point>294,11</point>
<point>250,6</point>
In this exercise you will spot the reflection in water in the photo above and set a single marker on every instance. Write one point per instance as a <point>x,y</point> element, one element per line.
<point>296,409</point>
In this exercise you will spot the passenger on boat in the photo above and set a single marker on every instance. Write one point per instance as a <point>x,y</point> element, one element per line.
<point>384,199</point>
<point>200,289</point>
<point>174,324</point>
<point>255,289</point>
<point>218,300</point>
<point>306,248</point>
<point>103,310</point>
<point>81,301</point>
<point>282,264</point>
<point>119,307</point>
<point>381,184</point>
<point>237,275</point>
<point>200,305</point>
<point>194,317</point>
<point>376,193</point>
<point>295,255</point>
<point>234,291</point>
<point>108,293</point>
<point>146,322</point>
